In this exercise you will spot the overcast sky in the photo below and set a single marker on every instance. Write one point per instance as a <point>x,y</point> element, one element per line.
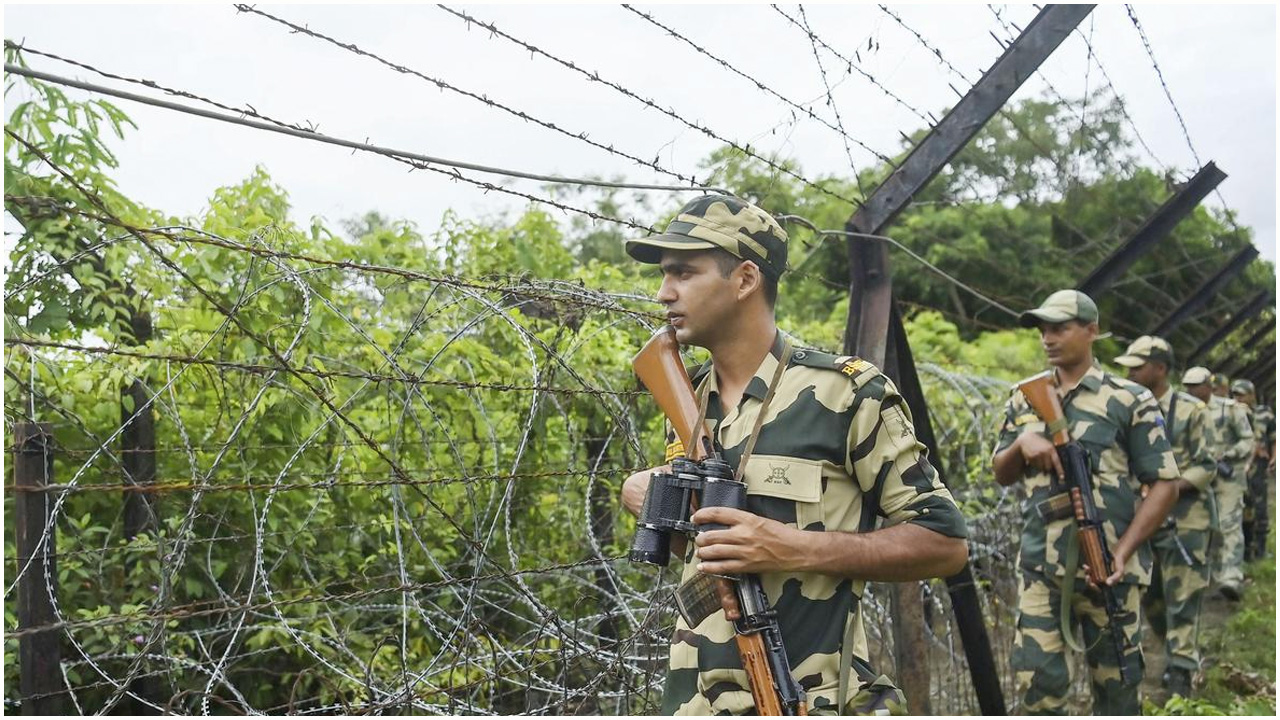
<point>1219,62</point>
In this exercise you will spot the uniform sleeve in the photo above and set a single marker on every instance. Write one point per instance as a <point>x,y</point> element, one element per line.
<point>1150,455</point>
<point>1201,467</point>
<point>1008,431</point>
<point>1243,446</point>
<point>892,466</point>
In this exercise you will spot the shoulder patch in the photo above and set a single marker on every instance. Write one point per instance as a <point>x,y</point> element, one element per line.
<point>1139,393</point>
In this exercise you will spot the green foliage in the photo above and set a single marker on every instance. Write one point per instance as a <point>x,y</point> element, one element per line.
<point>1241,668</point>
<point>271,487</point>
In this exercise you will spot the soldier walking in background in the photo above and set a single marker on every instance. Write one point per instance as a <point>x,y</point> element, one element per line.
<point>1257,521</point>
<point>1234,440</point>
<point>1119,425</point>
<point>1181,546</point>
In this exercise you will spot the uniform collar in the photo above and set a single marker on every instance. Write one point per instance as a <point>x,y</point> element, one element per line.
<point>1091,381</point>
<point>1166,398</point>
<point>758,385</point>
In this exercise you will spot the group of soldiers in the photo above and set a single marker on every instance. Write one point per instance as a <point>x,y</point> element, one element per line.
<point>840,492</point>
<point>1212,442</point>
<point>1219,523</point>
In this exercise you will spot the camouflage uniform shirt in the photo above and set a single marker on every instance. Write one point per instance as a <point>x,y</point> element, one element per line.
<point>1233,432</point>
<point>836,451</point>
<point>1264,426</point>
<point>1189,425</point>
<point>1119,424</point>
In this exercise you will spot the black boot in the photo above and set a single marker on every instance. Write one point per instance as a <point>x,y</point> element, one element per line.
<point>1178,681</point>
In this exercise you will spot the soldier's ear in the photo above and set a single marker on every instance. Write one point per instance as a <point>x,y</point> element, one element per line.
<point>749,278</point>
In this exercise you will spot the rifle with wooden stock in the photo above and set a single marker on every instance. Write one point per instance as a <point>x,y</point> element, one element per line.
<point>702,477</point>
<point>1042,394</point>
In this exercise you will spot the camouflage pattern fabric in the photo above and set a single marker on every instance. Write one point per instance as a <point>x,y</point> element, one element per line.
<point>1234,440</point>
<point>1119,424</point>
<point>837,451</point>
<point>1173,600</point>
<point>719,221</point>
<point>1257,520</point>
<point>1264,426</point>
<point>1040,665</point>
<point>1193,452</point>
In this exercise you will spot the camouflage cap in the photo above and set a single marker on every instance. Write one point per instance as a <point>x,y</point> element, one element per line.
<point>1062,306</point>
<point>1145,349</point>
<point>720,221</point>
<point>1197,375</point>
<point>1242,387</point>
<point>1219,380</point>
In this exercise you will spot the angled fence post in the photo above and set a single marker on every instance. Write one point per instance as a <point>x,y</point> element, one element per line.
<point>1248,312</point>
<point>1156,228</point>
<point>1207,291</point>
<point>874,330</point>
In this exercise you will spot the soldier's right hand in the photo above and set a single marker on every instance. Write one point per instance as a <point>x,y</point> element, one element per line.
<point>1039,452</point>
<point>635,487</point>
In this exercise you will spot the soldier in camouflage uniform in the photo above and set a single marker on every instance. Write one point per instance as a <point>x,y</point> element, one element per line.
<point>835,452</point>
<point>1257,521</point>
<point>1233,432</point>
<point>1181,546</point>
<point>1119,425</point>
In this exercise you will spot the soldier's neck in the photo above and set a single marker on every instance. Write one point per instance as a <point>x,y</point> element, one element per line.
<point>738,355</point>
<point>1159,388</point>
<point>1069,375</point>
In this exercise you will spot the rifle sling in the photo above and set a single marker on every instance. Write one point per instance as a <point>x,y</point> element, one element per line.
<point>705,397</point>
<point>1067,590</point>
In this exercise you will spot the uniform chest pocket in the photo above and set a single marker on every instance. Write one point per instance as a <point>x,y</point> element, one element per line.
<point>785,489</point>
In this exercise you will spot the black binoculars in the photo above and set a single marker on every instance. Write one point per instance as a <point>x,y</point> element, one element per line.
<point>667,502</point>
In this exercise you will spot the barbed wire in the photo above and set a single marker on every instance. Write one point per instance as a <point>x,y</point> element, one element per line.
<point>202,609</point>
<point>197,237</point>
<point>852,66</point>
<point>433,617</point>
<point>831,103</point>
<point>259,368</point>
<point>443,85</point>
<point>759,85</point>
<point>594,76</point>
<point>414,160</point>
<point>1133,18</point>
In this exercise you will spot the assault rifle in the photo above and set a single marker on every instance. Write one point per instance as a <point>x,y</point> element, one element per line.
<point>1042,395</point>
<point>704,477</point>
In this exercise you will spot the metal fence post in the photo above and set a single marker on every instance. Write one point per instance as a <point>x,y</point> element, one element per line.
<point>39,654</point>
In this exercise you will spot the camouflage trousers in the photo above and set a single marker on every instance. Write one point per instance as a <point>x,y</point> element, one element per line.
<point>1172,602</point>
<point>1040,661</point>
<point>1257,520</point>
<point>1229,558</point>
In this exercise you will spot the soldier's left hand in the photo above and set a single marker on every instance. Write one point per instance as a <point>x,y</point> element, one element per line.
<point>751,544</point>
<point>1117,571</point>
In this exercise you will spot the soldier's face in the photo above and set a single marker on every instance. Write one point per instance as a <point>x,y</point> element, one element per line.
<point>1201,391</point>
<point>1147,375</point>
<point>1067,343</point>
<point>699,298</point>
